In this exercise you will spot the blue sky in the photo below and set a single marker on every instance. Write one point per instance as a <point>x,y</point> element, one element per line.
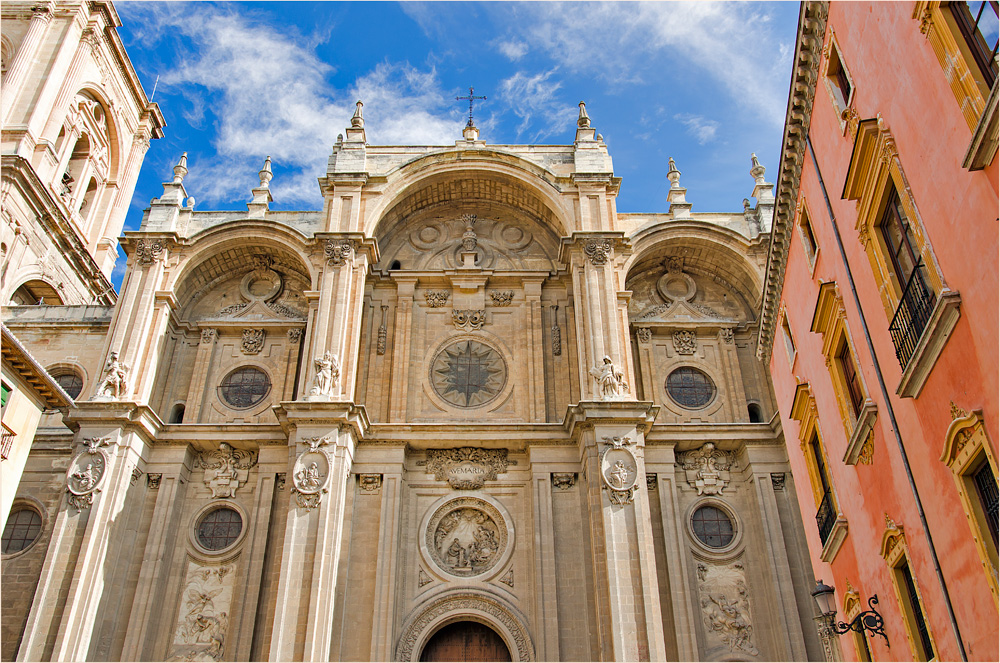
<point>703,82</point>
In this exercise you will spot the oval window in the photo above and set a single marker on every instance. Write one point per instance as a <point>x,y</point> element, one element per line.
<point>244,387</point>
<point>220,528</point>
<point>23,527</point>
<point>713,526</point>
<point>690,388</point>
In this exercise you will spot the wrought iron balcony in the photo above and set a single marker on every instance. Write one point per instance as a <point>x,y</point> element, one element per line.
<point>826,516</point>
<point>911,316</point>
<point>7,442</point>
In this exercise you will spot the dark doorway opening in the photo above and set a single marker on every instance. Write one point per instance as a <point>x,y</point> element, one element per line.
<point>465,641</point>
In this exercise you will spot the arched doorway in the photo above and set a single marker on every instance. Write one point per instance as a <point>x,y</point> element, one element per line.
<point>465,641</point>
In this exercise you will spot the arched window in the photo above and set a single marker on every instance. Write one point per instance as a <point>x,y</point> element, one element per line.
<point>77,162</point>
<point>177,414</point>
<point>753,410</point>
<point>35,292</point>
<point>88,197</point>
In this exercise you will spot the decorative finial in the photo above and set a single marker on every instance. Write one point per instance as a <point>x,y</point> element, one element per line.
<point>470,98</point>
<point>265,172</point>
<point>746,206</point>
<point>673,174</point>
<point>340,138</point>
<point>358,120</point>
<point>584,120</point>
<point>180,170</point>
<point>756,170</point>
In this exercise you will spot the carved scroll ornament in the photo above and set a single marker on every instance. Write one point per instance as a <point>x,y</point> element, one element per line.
<point>226,469</point>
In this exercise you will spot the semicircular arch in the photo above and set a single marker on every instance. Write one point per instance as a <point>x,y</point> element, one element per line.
<point>115,147</point>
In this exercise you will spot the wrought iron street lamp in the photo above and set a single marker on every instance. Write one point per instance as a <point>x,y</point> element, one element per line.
<point>869,620</point>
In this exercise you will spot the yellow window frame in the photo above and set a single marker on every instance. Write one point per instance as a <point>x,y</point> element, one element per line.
<point>896,554</point>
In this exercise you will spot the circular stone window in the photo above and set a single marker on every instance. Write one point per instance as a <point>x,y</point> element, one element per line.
<point>690,388</point>
<point>71,383</point>
<point>219,529</point>
<point>712,526</point>
<point>468,374</point>
<point>244,387</point>
<point>23,527</point>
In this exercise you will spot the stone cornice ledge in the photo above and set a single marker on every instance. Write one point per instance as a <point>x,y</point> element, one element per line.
<point>805,74</point>
<point>835,540</point>
<point>984,143</point>
<point>292,414</point>
<point>942,322</point>
<point>131,417</point>
<point>640,414</point>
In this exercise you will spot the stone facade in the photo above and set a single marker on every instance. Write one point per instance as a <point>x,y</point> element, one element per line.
<point>467,389</point>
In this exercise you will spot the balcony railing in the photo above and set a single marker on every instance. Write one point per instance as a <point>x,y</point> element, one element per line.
<point>826,517</point>
<point>7,442</point>
<point>911,316</point>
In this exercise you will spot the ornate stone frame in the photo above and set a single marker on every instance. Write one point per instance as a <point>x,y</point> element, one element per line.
<point>216,556</point>
<point>502,561</point>
<point>465,605</point>
<point>480,336</point>
<point>255,409</point>
<point>685,361</point>
<point>729,551</point>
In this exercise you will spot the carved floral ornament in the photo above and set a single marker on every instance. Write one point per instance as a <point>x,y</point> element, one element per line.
<point>619,469</point>
<point>436,298</point>
<point>226,469</point>
<point>253,341</point>
<point>502,297</point>
<point>469,319</point>
<point>85,474</point>
<point>685,342</point>
<point>148,251</point>
<point>311,473</point>
<point>597,251</point>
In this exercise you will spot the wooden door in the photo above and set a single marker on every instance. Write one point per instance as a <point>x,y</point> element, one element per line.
<point>465,641</point>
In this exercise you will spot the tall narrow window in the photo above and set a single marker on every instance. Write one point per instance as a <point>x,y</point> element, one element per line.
<point>856,396</point>
<point>826,515</point>
<point>977,23</point>
<point>808,236</point>
<point>925,650</point>
<point>986,488</point>
<point>838,80</point>
<point>786,333</point>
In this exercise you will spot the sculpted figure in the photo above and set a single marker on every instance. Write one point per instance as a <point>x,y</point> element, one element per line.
<point>86,479</point>
<point>114,384</point>
<point>327,375</point>
<point>620,474</point>
<point>308,477</point>
<point>609,379</point>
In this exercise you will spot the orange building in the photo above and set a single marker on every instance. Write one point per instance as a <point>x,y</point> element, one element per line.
<point>879,320</point>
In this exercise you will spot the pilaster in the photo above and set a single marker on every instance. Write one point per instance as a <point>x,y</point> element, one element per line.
<point>611,439</point>
<point>405,287</point>
<point>324,436</point>
<point>112,440</point>
<point>41,17</point>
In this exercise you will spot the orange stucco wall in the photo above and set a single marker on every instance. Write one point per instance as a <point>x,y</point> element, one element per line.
<point>896,74</point>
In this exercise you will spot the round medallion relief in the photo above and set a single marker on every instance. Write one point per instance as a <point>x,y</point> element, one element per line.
<point>467,537</point>
<point>468,374</point>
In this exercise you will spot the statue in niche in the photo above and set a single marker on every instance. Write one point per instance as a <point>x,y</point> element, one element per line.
<point>610,380</point>
<point>115,382</point>
<point>327,375</point>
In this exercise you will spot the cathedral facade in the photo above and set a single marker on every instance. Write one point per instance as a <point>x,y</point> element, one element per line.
<point>467,410</point>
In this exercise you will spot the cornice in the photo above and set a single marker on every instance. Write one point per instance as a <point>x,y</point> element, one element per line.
<point>802,91</point>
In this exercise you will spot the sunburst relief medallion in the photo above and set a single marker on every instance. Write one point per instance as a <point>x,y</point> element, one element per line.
<point>468,374</point>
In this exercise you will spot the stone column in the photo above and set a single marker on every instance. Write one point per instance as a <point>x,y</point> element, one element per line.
<point>198,392</point>
<point>611,441</point>
<point>403,323</point>
<point>41,16</point>
<point>390,485</point>
<point>337,326</point>
<point>535,348</point>
<point>324,436</point>
<point>145,624</point>
<point>112,440</point>
<point>546,604</point>
<point>591,257</point>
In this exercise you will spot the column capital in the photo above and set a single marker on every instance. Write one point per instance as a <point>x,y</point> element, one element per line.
<point>610,417</point>
<point>310,418</point>
<point>598,248</point>
<point>340,247</point>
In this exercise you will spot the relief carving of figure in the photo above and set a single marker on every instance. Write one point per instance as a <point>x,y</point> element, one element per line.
<point>308,477</point>
<point>86,479</point>
<point>620,475</point>
<point>327,375</point>
<point>115,382</point>
<point>610,380</point>
<point>473,543</point>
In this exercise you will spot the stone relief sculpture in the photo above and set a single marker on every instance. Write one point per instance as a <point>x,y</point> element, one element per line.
<point>597,250</point>
<point>382,333</point>
<point>725,606</point>
<point>466,468</point>
<point>226,469</point>
<point>563,480</point>
<point>86,472</point>
<point>327,376</point>
<point>311,473</point>
<point>203,618</point>
<point>707,469</point>
<point>209,335</point>
<point>502,297</point>
<point>644,334</point>
<point>619,469</point>
<point>610,381</point>
<point>114,384</point>
<point>556,332</point>
<point>338,251</point>
<point>253,341</point>
<point>466,537</point>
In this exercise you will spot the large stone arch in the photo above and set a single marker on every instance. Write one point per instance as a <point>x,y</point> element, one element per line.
<point>465,605</point>
<point>115,146</point>
<point>537,186</point>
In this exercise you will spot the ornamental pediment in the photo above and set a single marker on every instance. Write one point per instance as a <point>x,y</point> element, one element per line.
<point>681,312</point>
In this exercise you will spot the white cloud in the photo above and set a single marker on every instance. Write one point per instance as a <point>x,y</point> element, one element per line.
<point>513,49</point>
<point>537,104</point>
<point>734,43</point>
<point>269,94</point>
<point>701,128</point>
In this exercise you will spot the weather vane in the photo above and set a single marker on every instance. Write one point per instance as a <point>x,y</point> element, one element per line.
<point>470,98</point>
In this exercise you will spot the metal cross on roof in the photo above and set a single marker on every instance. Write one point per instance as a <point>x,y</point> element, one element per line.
<point>470,98</point>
